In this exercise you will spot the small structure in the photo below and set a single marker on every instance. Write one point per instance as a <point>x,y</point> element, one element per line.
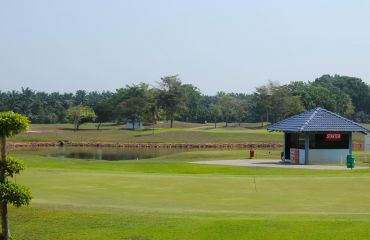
<point>134,125</point>
<point>317,136</point>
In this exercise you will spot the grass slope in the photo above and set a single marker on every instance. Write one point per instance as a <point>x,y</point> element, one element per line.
<point>168,198</point>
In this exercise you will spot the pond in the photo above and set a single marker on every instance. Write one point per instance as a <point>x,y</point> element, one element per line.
<point>110,154</point>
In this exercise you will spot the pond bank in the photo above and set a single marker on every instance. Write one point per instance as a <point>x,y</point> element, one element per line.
<point>356,145</point>
<point>147,145</point>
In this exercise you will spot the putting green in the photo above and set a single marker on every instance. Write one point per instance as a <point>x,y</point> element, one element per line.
<point>198,193</point>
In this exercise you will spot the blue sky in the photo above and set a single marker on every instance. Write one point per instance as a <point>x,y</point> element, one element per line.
<point>215,45</point>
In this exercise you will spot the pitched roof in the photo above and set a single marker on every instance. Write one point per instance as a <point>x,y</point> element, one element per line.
<point>317,120</point>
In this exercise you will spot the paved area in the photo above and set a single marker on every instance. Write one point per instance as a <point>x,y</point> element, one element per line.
<point>271,163</point>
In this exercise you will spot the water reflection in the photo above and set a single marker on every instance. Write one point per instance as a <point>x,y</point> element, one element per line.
<point>110,154</point>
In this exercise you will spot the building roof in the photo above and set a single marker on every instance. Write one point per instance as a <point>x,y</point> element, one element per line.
<point>317,120</point>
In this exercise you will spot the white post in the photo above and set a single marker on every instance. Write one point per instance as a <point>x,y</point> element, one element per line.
<point>306,148</point>
<point>350,143</point>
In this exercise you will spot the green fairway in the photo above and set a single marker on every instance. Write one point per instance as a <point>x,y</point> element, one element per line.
<point>169,198</point>
<point>182,133</point>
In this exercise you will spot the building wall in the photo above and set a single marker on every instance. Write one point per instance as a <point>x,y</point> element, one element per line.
<point>137,125</point>
<point>320,156</point>
<point>328,156</point>
<point>367,142</point>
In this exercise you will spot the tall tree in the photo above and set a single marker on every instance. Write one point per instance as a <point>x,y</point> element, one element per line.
<point>228,106</point>
<point>240,110</point>
<point>133,102</point>
<point>133,109</point>
<point>263,101</point>
<point>104,113</point>
<point>355,88</point>
<point>171,96</point>
<point>216,111</point>
<point>283,104</point>
<point>10,124</point>
<point>80,98</point>
<point>192,102</point>
<point>277,102</point>
<point>152,113</point>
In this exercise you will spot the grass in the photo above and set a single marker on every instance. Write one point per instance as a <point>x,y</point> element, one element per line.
<point>77,225</point>
<point>182,133</point>
<point>168,198</point>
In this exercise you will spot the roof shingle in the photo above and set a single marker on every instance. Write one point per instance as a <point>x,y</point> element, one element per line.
<point>317,120</point>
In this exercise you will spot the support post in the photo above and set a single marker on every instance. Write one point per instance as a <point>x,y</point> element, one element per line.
<point>350,143</point>
<point>284,145</point>
<point>306,148</point>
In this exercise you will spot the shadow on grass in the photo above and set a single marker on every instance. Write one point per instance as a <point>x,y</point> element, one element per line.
<point>83,129</point>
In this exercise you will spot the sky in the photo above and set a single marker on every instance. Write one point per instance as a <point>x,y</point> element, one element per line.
<point>231,46</point>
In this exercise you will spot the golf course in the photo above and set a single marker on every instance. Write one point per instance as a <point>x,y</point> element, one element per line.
<point>184,120</point>
<point>167,197</point>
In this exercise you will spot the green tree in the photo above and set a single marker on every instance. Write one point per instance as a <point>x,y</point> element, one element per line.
<point>216,112</point>
<point>347,96</point>
<point>79,115</point>
<point>133,109</point>
<point>80,98</point>
<point>152,113</point>
<point>263,101</point>
<point>283,104</point>
<point>133,102</point>
<point>355,88</point>
<point>192,102</point>
<point>277,102</point>
<point>228,106</point>
<point>319,96</point>
<point>171,96</point>
<point>10,124</point>
<point>295,106</point>
<point>104,113</point>
<point>329,92</point>
<point>240,110</point>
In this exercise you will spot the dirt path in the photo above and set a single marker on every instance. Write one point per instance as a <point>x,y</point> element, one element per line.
<point>271,163</point>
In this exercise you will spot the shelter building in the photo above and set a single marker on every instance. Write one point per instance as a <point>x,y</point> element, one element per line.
<point>317,136</point>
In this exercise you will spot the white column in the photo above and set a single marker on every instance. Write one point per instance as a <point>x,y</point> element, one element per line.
<point>350,143</point>
<point>306,148</point>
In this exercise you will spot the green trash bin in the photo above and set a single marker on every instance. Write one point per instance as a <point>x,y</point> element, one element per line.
<point>350,161</point>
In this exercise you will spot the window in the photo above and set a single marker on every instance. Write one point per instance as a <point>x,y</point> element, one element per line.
<point>320,141</point>
<point>296,140</point>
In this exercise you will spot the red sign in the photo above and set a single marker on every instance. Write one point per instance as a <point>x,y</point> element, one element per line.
<point>333,137</point>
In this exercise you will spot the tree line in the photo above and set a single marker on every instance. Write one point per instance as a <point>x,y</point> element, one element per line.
<point>173,100</point>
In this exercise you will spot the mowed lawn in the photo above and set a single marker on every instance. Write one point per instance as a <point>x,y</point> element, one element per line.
<point>181,133</point>
<point>169,198</point>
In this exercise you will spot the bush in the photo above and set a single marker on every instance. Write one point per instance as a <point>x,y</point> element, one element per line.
<point>14,194</point>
